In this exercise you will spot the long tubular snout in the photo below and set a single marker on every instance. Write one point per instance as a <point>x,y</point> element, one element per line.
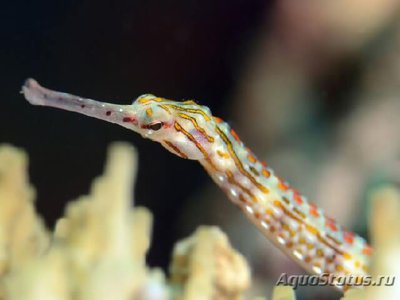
<point>123,115</point>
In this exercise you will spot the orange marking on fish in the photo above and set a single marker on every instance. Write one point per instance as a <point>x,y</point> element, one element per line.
<point>282,185</point>
<point>297,197</point>
<point>218,120</point>
<point>235,136</point>
<point>223,154</point>
<point>314,210</point>
<point>367,250</point>
<point>311,229</point>
<point>348,237</point>
<point>266,173</point>
<point>149,112</point>
<point>347,256</point>
<point>331,224</point>
<point>189,102</point>
<point>269,211</point>
<point>251,158</point>
<point>176,149</point>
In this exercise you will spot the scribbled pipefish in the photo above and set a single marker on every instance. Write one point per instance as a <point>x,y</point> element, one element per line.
<point>189,130</point>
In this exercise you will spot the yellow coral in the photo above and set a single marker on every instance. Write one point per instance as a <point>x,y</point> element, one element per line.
<point>22,234</point>
<point>385,228</point>
<point>206,262</point>
<point>97,250</point>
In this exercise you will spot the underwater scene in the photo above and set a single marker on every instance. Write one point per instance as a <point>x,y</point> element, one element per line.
<point>200,150</point>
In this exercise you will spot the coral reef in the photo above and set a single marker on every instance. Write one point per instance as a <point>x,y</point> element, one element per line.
<point>385,227</point>
<point>207,262</point>
<point>98,249</point>
<point>22,233</point>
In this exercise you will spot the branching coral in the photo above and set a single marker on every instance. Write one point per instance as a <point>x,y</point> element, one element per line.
<point>207,262</point>
<point>97,250</point>
<point>22,234</point>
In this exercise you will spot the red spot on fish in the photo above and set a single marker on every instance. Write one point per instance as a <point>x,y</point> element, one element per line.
<point>367,250</point>
<point>83,105</point>
<point>297,197</point>
<point>108,113</point>
<point>348,237</point>
<point>331,224</point>
<point>282,185</point>
<point>235,136</point>
<point>252,158</point>
<point>266,173</point>
<point>129,120</point>
<point>264,164</point>
<point>314,210</point>
<point>218,120</point>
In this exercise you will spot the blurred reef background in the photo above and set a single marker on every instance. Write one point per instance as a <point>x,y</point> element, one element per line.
<point>312,87</point>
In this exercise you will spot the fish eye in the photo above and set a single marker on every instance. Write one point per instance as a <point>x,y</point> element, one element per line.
<point>155,126</point>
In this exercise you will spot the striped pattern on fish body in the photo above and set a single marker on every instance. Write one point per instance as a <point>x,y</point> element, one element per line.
<point>189,130</point>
